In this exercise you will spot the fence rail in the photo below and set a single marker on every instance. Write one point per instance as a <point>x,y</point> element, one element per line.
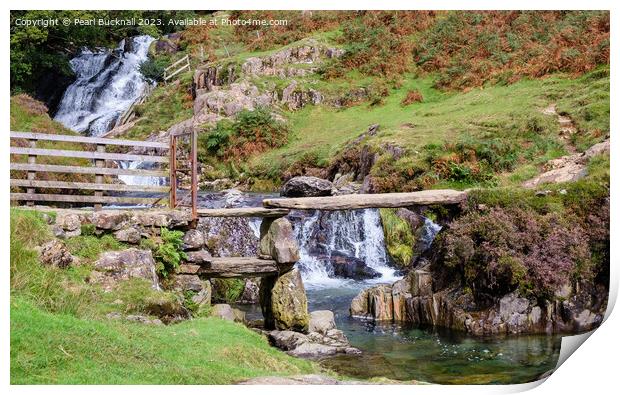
<point>96,153</point>
<point>183,64</point>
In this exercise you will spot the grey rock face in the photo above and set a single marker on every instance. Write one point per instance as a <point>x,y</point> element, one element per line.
<point>115,266</point>
<point>129,235</point>
<point>278,241</point>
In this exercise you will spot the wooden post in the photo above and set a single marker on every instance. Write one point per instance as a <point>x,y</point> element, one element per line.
<point>99,163</point>
<point>173,171</point>
<point>32,159</point>
<point>194,160</point>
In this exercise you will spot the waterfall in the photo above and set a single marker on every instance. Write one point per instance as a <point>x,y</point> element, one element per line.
<point>354,233</point>
<point>139,180</point>
<point>107,83</point>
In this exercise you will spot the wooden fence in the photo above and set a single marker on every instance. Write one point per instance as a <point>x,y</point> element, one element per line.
<point>99,156</point>
<point>176,67</point>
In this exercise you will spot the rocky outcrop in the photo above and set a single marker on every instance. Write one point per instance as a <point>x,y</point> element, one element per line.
<point>295,98</point>
<point>568,168</point>
<point>115,266</point>
<point>55,253</point>
<point>413,300</point>
<point>284,302</point>
<point>227,102</point>
<point>285,63</point>
<point>305,186</point>
<point>68,224</point>
<point>168,44</point>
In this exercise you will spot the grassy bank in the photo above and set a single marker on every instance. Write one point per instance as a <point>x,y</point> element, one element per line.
<point>60,333</point>
<point>51,348</point>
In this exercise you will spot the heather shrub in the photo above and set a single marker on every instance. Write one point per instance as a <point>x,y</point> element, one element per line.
<point>501,250</point>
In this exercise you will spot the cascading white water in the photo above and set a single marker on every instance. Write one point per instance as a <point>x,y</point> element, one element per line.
<point>139,180</point>
<point>354,233</point>
<point>107,83</point>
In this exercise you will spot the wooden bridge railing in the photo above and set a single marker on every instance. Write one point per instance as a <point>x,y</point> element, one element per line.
<point>99,156</point>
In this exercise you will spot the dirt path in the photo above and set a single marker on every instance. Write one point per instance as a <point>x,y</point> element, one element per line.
<point>567,128</point>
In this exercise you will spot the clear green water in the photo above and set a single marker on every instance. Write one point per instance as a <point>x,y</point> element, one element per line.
<point>403,352</point>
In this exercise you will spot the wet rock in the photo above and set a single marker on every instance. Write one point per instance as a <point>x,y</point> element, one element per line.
<point>351,267</point>
<point>55,253</point>
<point>421,283</point>
<point>511,306</point>
<point>321,321</point>
<point>375,302</point>
<point>278,241</point>
<point>288,304</point>
<point>128,235</point>
<point>359,305</point>
<point>193,240</point>
<point>115,266</point>
<point>306,186</point>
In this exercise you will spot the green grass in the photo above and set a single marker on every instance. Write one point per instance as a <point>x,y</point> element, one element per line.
<point>495,111</point>
<point>62,349</point>
<point>89,247</point>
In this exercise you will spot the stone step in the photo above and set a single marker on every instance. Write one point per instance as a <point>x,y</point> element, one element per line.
<point>232,267</point>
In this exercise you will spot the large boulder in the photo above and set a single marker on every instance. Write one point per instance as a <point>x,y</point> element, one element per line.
<point>68,224</point>
<point>55,253</point>
<point>321,321</point>
<point>115,266</point>
<point>350,267</point>
<point>286,306</point>
<point>278,241</point>
<point>306,186</point>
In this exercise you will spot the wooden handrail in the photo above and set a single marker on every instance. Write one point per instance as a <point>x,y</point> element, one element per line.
<point>87,154</point>
<point>87,140</point>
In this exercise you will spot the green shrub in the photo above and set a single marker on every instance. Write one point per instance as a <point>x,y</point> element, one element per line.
<point>87,229</point>
<point>153,69</point>
<point>249,133</point>
<point>167,251</point>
